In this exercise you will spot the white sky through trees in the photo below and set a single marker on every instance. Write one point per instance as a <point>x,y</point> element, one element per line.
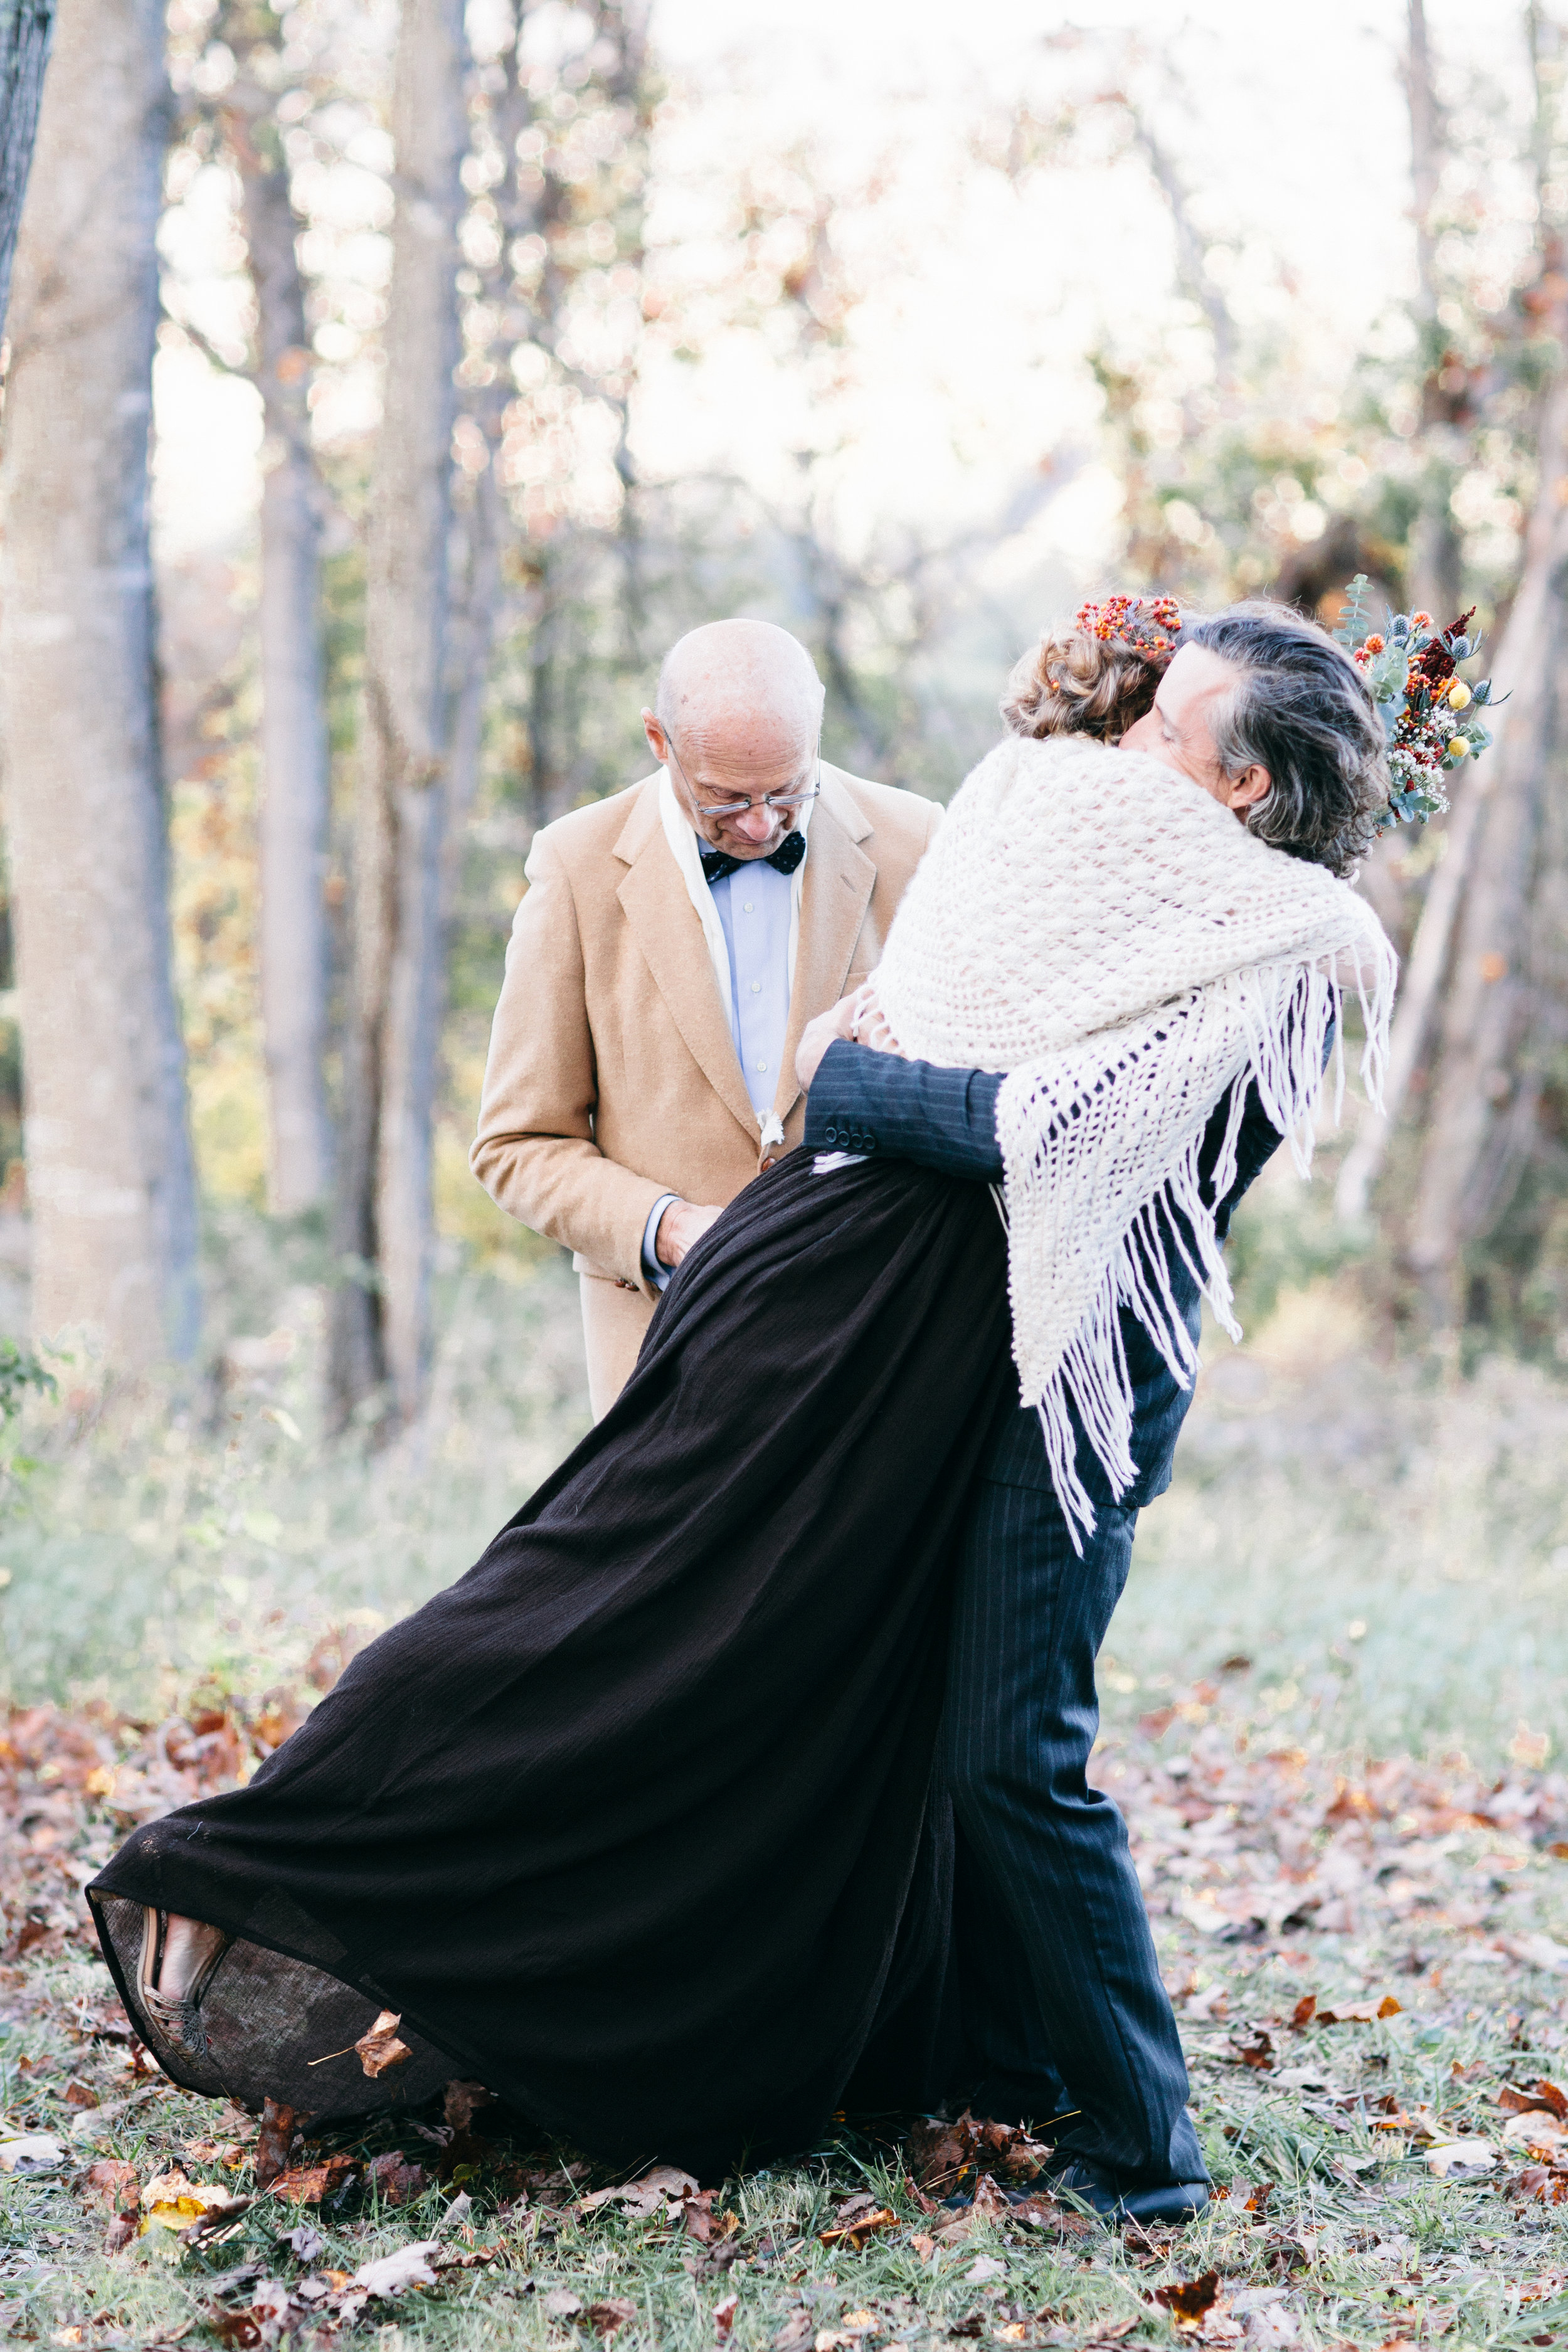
<point>976,299</point>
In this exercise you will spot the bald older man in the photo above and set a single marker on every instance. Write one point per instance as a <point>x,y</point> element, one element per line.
<point>674,941</point>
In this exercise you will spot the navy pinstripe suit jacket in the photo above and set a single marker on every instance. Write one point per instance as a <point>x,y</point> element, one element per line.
<point>881,1106</point>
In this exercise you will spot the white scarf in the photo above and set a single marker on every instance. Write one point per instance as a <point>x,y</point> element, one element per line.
<point>681,835</point>
<point>1101,929</point>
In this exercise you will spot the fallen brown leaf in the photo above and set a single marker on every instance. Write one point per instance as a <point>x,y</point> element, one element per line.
<point>273,2143</point>
<point>1189,2301</point>
<point>724,2318</point>
<point>395,2181</point>
<point>460,2101</point>
<point>114,2183</point>
<point>865,2226</point>
<point>613,2313</point>
<point>378,2048</point>
<point>1533,2097</point>
<point>308,2184</point>
<point>948,2156</point>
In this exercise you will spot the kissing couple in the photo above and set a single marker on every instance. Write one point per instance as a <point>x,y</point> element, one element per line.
<point>742,1779</point>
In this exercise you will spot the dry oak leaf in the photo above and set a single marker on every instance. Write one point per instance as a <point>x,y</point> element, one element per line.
<point>389,2274</point>
<point>1543,2182</point>
<point>461,2101</point>
<point>308,2184</point>
<point>378,2048</point>
<point>113,2183</point>
<point>723,2318</point>
<point>170,2201</point>
<point>1540,2133</point>
<point>1532,2099</point>
<point>797,2327</point>
<point>863,2228</point>
<point>562,2303</point>
<point>702,2224</point>
<point>395,2181</point>
<point>1459,2159</point>
<point>1190,2301</point>
<point>1360,2012</point>
<point>1046,2213</point>
<point>606,2317</point>
<point>273,2143</point>
<point>666,2185</point>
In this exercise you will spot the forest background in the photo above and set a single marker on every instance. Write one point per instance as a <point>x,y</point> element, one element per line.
<point>384,388</point>
<point>385,391</point>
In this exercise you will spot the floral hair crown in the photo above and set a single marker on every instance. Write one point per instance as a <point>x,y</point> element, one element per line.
<point>1153,625</point>
<point>1431,718</point>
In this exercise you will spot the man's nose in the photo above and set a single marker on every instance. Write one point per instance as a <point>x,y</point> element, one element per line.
<point>756,823</point>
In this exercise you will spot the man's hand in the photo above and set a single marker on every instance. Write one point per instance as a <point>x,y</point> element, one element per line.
<point>682,1225</point>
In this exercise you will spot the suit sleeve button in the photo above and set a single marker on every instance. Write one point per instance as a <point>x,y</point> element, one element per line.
<point>830,1135</point>
<point>868,1142</point>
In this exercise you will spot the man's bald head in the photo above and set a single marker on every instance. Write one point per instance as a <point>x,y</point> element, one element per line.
<point>744,673</point>
<point>739,708</point>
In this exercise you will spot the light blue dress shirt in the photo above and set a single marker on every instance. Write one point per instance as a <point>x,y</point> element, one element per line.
<point>754,908</point>
<point>754,905</point>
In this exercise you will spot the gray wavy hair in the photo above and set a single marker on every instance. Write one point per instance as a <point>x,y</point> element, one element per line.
<point>1300,709</point>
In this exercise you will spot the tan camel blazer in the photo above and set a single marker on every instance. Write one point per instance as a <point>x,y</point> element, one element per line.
<point>611,1075</point>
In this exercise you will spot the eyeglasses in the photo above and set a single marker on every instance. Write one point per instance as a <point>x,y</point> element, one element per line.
<point>782,803</point>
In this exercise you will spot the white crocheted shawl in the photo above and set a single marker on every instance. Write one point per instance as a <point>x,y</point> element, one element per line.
<point>1101,929</point>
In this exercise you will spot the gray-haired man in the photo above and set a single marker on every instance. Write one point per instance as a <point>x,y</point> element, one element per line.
<point>1067,2021</point>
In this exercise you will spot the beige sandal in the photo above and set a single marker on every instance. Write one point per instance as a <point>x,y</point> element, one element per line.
<point>174,2017</point>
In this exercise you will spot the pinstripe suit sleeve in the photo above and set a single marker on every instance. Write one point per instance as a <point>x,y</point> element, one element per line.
<point>880,1104</point>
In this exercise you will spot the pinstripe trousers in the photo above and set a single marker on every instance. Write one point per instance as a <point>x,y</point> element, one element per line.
<point>1063,2005</point>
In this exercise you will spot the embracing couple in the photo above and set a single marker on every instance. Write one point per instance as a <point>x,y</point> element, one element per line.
<point>744,1778</point>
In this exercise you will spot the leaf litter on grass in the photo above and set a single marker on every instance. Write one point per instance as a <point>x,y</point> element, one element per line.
<point>1364,1956</point>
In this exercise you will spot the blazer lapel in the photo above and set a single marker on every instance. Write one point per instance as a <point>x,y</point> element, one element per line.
<point>664,926</point>
<point>839,880</point>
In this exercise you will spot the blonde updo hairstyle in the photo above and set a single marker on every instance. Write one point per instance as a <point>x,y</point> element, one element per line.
<point>1074,683</point>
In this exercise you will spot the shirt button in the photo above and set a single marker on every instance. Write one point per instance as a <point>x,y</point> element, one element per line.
<point>747,907</point>
<point>756,988</point>
<point>763,1067</point>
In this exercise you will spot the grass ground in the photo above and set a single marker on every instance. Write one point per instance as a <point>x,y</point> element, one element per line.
<point>1331,1696</point>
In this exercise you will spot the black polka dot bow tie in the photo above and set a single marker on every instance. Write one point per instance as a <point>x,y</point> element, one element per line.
<point>717,863</point>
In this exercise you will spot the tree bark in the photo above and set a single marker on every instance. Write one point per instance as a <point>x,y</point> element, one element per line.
<point>294,755</point>
<point>1436,556</point>
<point>25,30</point>
<point>108,1164</point>
<point>381,1318</point>
<point>1487,1008</point>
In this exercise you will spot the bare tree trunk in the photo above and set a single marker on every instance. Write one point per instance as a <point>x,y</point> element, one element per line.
<point>109,1164</point>
<point>294,757</point>
<point>1488,1007</point>
<point>1436,556</point>
<point>381,1319</point>
<point>473,640</point>
<point>26,28</point>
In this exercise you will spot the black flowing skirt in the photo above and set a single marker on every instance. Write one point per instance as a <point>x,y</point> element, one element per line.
<point>634,1822</point>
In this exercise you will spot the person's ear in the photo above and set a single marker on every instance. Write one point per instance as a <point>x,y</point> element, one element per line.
<point>1245,791</point>
<point>658,742</point>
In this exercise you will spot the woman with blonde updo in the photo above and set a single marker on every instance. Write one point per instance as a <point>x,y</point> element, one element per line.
<point>1097,678</point>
